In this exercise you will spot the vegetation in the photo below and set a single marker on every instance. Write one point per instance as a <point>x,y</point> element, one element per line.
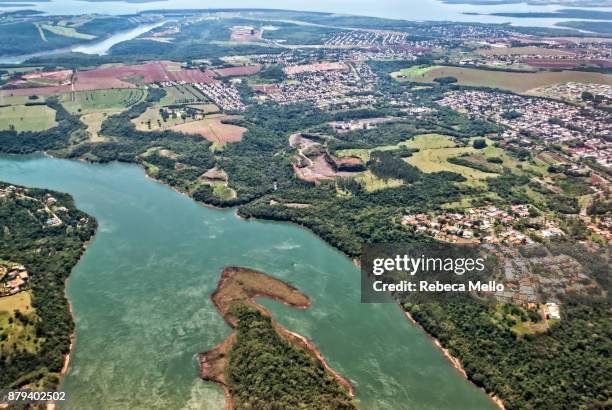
<point>48,253</point>
<point>267,372</point>
<point>26,118</point>
<point>529,369</point>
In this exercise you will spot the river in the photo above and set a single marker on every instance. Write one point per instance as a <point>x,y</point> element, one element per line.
<point>96,47</point>
<point>141,299</point>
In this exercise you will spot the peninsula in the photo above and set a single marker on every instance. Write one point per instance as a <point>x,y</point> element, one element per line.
<point>258,359</point>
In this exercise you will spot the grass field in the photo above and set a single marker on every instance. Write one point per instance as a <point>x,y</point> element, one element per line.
<point>94,122</point>
<point>222,191</point>
<point>13,333</point>
<point>180,95</point>
<point>434,152</point>
<point>21,301</point>
<point>371,182</point>
<point>17,99</point>
<point>213,129</point>
<point>517,82</point>
<point>151,120</point>
<point>413,72</point>
<point>85,102</point>
<point>23,118</point>
<point>205,108</point>
<point>66,32</point>
<point>423,141</point>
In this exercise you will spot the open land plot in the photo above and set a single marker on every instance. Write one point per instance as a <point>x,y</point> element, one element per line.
<point>67,32</point>
<point>433,157</point>
<point>364,153</point>
<point>17,99</point>
<point>152,120</point>
<point>371,182</point>
<point>94,122</point>
<point>213,129</point>
<point>27,118</point>
<point>517,82</point>
<point>16,334</point>
<point>422,141</point>
<point>122,76</point>
<point>222,191</point>
<point>21,301</point>
<point>101,100</point>
<point>519,51</point>
<point>183,94</point>
<point>413,72</point>
<point>205,108</point>
<point>238,71</point>
<point>46,78</point>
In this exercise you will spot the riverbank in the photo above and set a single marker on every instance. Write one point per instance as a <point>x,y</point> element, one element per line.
<point>211,361</point>
<point>453,360</point>
<point>238,288</point>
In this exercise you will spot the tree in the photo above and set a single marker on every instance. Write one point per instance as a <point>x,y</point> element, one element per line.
<point>479,143</point>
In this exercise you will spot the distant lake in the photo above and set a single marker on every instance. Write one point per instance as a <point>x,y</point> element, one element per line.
<point>399,9</point>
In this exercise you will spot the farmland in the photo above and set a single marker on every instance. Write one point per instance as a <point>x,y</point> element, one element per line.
<point>27,118</point>
<point>99,100</point>
<point>181,94</point>
<point>516,82</point>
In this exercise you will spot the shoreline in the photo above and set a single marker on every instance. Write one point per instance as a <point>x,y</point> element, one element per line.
<point>455,362</point>
<point>234,288</point>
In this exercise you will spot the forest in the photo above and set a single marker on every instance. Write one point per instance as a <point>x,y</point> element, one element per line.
<point>49,254</point>
<point>266,372</point>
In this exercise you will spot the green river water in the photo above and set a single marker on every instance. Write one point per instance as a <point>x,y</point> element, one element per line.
<point>141,299</point>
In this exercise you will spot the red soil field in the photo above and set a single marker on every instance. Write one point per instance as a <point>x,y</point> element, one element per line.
<point>61,75</point>
<point>116,77</point>
<point>231,71</point>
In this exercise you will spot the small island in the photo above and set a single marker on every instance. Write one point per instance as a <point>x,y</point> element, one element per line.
<point>261,364</point>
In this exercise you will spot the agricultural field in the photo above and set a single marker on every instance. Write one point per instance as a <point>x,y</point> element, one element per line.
<point>86,102</point>
<point>27,118</point>
<point>516,82</point>
<point>17,99</point>
<point>183,94</point>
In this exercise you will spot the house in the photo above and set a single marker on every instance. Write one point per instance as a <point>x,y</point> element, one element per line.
<point>552,311</point>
